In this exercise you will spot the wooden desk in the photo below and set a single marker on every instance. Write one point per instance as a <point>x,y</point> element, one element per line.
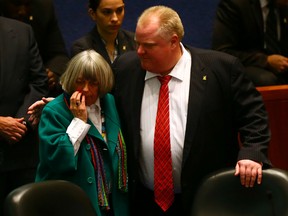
<point>276,101</point>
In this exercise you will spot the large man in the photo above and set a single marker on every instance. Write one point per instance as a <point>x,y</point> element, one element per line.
<point>210,102</point>
<point>23,80</point>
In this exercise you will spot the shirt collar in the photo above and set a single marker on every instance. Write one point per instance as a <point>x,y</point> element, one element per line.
<point>95,106</point>
<point>263,3</point>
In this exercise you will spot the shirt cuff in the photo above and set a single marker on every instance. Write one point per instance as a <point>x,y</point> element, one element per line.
<point>77,131</point>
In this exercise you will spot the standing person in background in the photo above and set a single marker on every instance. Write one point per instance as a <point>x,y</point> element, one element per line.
<point>23,81</point>
<point>40,14</point>
<point>209,101</point>
<point>107,37</point>
<point>80,136</point>
<point>242,28</point>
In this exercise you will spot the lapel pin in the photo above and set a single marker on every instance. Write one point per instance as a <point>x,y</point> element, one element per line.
<point>204,78</point>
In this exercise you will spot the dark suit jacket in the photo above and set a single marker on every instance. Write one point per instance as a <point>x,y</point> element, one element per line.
<point>48,36</point>
<point>221,103</point>
<point>239,30</point>
<point>93,40</point>
<point>23,80</point>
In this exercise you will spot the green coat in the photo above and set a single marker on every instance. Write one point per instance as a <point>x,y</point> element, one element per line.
<point>56,152</point>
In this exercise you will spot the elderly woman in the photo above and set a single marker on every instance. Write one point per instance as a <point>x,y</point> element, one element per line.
<point>80,135</point>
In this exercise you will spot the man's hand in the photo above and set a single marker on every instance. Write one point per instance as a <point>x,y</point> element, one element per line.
<point>12,129</point>
<point>249,172</point>
<point>278,63</point>
<point>35,110</point>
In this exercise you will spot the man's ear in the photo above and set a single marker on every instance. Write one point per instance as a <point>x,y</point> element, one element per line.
<point>174,40</point>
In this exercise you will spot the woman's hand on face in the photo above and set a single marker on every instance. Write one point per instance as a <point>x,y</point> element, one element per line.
<point>78,106</point>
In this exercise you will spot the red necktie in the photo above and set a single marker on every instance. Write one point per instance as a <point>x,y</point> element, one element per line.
<point>163,178</point>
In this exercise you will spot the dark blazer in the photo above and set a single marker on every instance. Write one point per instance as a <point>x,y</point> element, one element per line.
<point>221,103</point>
<point>239,30</point>
<point>48,36</point>
<point>23,81</point>
<point>93,40</point>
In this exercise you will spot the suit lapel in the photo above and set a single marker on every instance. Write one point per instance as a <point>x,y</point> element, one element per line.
<point>8,44</point>
<point>198,81</point>
<point>111,124</point>
<point>135,112</point>
<point>257,13</point>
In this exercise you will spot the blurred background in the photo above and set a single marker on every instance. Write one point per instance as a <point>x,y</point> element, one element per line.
<point>197,17</point>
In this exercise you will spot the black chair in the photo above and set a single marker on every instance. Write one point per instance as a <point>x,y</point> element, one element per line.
<point>48,198</point>
<point>221,194</point>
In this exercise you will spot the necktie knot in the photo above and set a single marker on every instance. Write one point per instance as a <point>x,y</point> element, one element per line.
<point>164,80</point>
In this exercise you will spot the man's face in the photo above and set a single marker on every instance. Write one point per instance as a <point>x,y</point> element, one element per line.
<point>109,16</point>
<point>17,9</point>
<point>155,52</point>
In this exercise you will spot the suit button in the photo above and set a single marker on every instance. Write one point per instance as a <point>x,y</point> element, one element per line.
<point>90,180</point>
<point>88,146</point>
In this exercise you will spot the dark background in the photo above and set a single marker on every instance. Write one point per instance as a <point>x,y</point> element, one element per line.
<point>197,17</point>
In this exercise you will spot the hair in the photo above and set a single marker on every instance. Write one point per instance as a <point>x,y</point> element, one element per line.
<point>94,4</point>
<point>169,21</point>
<point>91,66</point>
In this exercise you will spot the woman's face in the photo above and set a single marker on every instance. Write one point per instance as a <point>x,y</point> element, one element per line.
<point>90,89</point>
<point>109,16</point>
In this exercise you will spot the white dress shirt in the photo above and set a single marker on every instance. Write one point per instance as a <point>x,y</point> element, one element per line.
<point>265,11</point>
<point>178,100</point>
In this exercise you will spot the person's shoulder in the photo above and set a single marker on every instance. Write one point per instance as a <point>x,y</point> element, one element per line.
<point>58,101</point>
<point>14,24</point>
<point>108,97</point>
<point>127,33</point>
<point>129,56</point>
<point>86,38</point>
<point>209,54</point>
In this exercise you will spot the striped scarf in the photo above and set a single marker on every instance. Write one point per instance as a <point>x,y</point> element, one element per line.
<point>103,186</point>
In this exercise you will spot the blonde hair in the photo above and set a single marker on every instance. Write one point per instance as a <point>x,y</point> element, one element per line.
<point>89,65</point>
<point>169,21</point>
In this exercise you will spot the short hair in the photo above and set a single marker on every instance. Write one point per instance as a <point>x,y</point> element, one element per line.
<point>89,65</point>
<point>169,21</point>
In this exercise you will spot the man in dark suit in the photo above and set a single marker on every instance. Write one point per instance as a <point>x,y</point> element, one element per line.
<point>40,14</point>
<point>211,101</point>
<point>239,30</point>
<point>107,38</point>
<point>23,81</point>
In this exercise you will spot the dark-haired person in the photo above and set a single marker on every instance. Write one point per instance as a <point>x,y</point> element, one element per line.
<point>40,14</point>
<point>242,28</point>
<point>107,37</point>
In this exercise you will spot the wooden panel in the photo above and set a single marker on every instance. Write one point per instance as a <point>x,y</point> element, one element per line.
<point>276,102</point>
